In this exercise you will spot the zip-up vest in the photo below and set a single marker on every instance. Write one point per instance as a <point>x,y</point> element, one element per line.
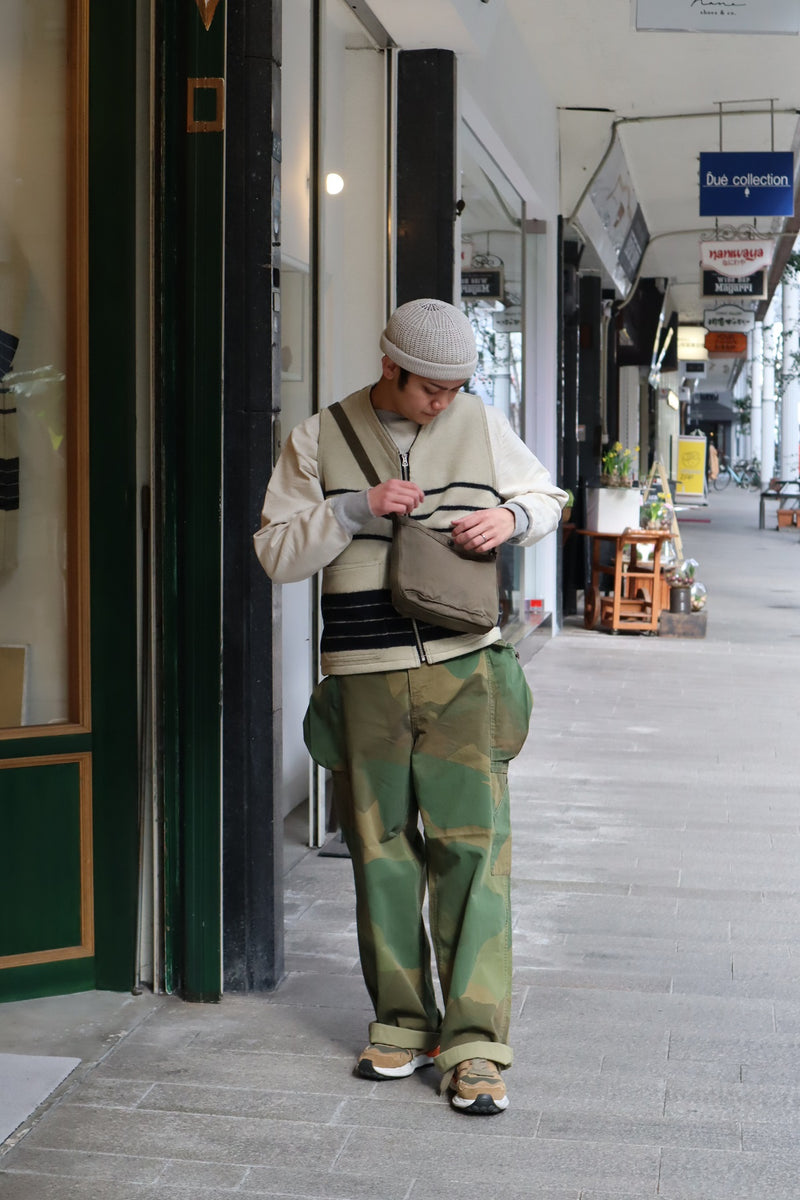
<point>451,460</point>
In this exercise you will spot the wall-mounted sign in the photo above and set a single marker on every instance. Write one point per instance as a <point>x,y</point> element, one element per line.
<point>508,320</point>
<point>729,318</point>
<point>482,285</point>
<point>726,345</point>
<point>719,16</point>
<point>754,286</point>
<point>753,184</point>
<point>736,259</point>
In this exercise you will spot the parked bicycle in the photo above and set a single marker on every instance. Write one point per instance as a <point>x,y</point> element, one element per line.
<point>745,474</point>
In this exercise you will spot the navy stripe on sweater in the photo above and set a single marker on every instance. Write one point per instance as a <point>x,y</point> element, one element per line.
<point>369,621</point>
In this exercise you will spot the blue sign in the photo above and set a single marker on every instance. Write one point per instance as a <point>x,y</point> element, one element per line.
<point>758,184</point>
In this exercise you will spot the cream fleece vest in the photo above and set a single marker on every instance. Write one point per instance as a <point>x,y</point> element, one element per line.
<point>451,460</point>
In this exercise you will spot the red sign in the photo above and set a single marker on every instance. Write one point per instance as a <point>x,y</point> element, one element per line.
<point>726,345</point>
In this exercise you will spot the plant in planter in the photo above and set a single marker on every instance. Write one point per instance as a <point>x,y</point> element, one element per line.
<point>618,466</point>
<point>566,512</point>
<point>656,514</point>
<point>681,578</point>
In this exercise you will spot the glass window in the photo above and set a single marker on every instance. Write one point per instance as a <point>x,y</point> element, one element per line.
<point>492,295</point>
<point>38,430</point>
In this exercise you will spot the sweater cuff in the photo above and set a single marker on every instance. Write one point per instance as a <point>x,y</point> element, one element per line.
<point>522,521</point>
<point>352,511</point>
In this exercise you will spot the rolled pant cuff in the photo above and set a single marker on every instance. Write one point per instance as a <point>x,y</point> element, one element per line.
<point>404,1039</point>
<point>495,1051</point>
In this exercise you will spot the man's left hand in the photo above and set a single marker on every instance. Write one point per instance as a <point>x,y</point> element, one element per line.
<point>485,529</point>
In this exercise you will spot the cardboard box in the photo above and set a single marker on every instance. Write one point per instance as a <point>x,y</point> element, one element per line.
<point>613,510</point>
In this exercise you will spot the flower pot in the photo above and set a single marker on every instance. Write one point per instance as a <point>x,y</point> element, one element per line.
<point>613,510</point>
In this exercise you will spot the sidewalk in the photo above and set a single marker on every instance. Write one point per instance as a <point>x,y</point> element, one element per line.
<point>657,969</point>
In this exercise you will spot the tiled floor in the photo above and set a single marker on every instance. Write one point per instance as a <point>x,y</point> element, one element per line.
<point>657,924</point>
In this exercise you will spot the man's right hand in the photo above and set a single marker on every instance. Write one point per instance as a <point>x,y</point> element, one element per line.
<point>394,496</point>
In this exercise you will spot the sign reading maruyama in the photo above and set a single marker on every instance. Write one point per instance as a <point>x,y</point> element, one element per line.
<point>736,258</point>
<point>755,184</point>
<point>729,318</point>
<point>719,16</point>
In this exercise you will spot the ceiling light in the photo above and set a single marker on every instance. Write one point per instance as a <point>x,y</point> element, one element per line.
<point>333,184</point>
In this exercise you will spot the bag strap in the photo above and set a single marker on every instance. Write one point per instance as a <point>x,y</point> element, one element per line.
<point>354,442</point>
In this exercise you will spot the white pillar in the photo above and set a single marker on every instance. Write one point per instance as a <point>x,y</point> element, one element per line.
<point>757,385</point>
<point>768,438</point>
<point>790,400</point>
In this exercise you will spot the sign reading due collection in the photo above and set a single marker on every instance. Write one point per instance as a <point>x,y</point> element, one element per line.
<point>754,184</point>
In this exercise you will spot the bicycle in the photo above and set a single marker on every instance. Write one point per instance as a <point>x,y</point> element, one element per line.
<point>745,474</point>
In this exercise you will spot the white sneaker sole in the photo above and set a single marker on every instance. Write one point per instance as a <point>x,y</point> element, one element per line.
<point>483,1105</point>
<point>368,1070</point>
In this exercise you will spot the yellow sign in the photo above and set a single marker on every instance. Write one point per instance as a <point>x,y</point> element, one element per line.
<point>691,479</point>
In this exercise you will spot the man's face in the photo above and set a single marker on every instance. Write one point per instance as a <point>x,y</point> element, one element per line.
<point>421,399</point>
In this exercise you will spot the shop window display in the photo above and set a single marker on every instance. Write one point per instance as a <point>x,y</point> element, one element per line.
<point>35,538</point>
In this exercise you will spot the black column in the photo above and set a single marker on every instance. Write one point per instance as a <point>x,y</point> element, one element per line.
<point>426,174</point>
<point>252,822</point>
<point>591,365</point>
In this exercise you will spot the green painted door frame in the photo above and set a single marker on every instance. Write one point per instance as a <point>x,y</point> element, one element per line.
<point>189,327</point>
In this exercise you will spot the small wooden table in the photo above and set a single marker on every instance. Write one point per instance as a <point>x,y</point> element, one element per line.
<point>640,590</point>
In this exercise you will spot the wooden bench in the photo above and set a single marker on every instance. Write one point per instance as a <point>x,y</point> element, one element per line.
<point>786,494</point>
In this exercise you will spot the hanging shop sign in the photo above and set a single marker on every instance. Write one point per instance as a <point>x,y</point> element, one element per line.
<point>726,345</point>
<point>486,284</point>
<point>729,318</point>
<point>508,320</point>
<point>754,286</point>
<point>736,259</point>
<point>759,183</point>
<point>612,220</point>
<point>719,16</point>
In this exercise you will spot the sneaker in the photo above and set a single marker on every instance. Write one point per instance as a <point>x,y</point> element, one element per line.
<point>391,1062</point>
<point>478,1087</point>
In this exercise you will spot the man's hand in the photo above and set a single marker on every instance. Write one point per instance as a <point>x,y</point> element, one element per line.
<point>485,529</point>
<point>394,496</point>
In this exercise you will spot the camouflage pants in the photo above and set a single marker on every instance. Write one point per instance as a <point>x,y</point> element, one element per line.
<point>420,775</point>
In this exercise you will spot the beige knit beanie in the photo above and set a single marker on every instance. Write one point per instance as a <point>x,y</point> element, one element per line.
<point>432,339</point>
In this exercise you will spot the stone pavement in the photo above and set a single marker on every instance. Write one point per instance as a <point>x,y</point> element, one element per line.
<point>657,984</point>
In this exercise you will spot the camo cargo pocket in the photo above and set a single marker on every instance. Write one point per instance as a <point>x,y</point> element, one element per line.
<point>323,725</point>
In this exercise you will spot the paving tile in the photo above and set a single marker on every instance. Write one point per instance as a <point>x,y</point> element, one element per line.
<point>496,1160</point>
<point>716,1175</point>
<point>331,1072</point>
<point>337,1184</point>
<point>278,1103</point>
<point>71,1164</point>
<point>168,1135</point>
<point>614,1128</point>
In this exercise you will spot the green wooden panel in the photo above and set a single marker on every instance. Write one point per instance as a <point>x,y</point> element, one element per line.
<point>114,499</point>
<point>40,858</point>
<point>47,979</point>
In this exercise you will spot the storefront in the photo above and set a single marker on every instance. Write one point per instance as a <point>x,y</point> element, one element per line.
<point>206,216</point>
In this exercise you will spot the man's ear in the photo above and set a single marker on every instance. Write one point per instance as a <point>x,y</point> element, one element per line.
<point>389,369</point>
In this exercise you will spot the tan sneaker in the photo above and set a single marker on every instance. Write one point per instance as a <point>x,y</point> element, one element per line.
<point>478,1087</point>
<point>391,1062</point>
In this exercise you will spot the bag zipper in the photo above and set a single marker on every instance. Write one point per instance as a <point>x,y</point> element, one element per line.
<point>405,473</point>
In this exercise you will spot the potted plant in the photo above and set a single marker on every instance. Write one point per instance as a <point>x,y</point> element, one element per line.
<point>656,514</point>
<point>681,578</point>
<point>566,511</point>
<point>618,466</point>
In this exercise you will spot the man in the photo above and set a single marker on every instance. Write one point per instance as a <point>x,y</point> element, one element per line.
<point>417,723</point>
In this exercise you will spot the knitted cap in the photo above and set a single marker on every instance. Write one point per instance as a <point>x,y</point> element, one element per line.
<point>432,339</point>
